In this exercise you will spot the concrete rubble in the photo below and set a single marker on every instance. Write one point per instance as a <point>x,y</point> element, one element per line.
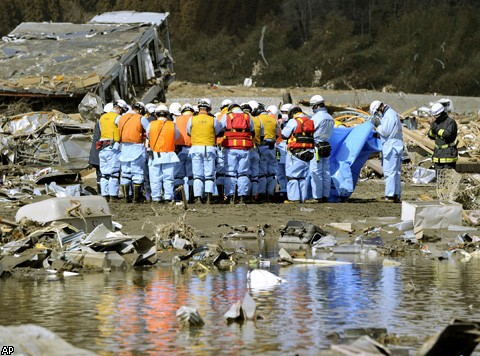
<point>60,246</point>
<point>33,339</point>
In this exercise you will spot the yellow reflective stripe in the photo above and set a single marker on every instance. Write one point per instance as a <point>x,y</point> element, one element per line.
<point>440,132</point>
<point>444,160</point>
<point>453,144</point>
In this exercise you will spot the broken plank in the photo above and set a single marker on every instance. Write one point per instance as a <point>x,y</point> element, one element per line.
<point>320,262</point>
<point>376,166</point>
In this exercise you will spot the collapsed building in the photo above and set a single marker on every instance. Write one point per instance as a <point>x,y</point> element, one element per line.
<point>115,55</point>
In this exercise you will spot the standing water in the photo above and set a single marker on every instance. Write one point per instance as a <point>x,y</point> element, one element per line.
<point>134,311</point>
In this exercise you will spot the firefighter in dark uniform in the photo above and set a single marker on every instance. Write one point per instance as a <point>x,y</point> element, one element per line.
<point>443,130</point>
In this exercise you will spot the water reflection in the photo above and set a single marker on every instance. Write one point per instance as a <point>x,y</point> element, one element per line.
<point>134,312</point>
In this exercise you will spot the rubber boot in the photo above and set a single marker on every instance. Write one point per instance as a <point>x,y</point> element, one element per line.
<point>191,196</point>
<point>209,198</point>
<point>136,193</point>
<point>221,193</point>
<point>99,189</point>
<point>125,191</point>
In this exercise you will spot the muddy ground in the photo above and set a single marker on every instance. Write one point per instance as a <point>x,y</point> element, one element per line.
<point>213,222</point>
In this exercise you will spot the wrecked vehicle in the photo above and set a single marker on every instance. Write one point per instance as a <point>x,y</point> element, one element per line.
<point>115,55</point>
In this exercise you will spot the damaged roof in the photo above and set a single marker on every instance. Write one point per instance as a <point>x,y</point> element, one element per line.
<point>66,59</point>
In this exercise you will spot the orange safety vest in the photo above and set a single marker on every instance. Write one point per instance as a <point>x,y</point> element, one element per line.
<point>162,136</point>
<point>237,132</point>
<point>131,129</point>
<point>302,137</point>
<point>181,122</point>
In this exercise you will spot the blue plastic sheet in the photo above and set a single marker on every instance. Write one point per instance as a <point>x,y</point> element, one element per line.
<point>351,147</point>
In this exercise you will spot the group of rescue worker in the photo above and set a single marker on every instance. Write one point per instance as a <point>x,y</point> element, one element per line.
<point>246,153</point>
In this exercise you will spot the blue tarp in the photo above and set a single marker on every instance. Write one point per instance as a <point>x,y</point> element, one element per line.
<point>351,147</point>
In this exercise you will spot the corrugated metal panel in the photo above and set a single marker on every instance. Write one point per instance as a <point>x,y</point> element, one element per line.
<point>131,17</point>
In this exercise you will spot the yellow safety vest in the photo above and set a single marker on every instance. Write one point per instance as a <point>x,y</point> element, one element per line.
<point>108,129</point>
<point>203,130</point>
<point>257,123</point>
<point>269,126</point>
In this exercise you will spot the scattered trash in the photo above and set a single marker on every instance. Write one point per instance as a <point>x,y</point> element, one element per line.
<point>324,242</point>
<point>347,227</point>
<point>390,263</point>
<point>458,338</point>
<point>242,311</point>
<point>461,228</point>
<point>320,262</point>
<point>456,254</point>
<point>301,232</point>
<point>260,279</point>
<point>84,212</point>
<point>364,345</point>
<point>423,175</point>
<point>243,232</point>
<point>284,256</point>
<point>189,317</point>
<point>435,214</point>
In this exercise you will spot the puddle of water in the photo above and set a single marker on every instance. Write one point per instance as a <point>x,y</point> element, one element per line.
<point>135,311</point>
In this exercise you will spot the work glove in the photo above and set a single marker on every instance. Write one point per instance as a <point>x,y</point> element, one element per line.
<point>375,120</point>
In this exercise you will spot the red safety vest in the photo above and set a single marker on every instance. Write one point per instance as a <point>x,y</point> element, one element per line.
<point>237,132</point>
<point>302,137</point>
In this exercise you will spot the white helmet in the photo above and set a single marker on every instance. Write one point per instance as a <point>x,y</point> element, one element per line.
<point>273,109</point>
<point>108,107</point>
<point>150,107</point>
<point>205,103</point>
<point>187,107</point>
<point>175,109</point>
<point>253,104</point>
<point>162,109</point>
<point>316,99</point>
<point>226,103</point>
<point>285,107</point>
<point>437,109</point>
<point>374,106</point>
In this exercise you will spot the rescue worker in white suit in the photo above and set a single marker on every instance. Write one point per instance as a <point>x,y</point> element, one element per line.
<point>162,134</point>
<point>109,150</point>
<point>267,152</point>
<point>132,126</point>
<point>299,132</point>
<point>183,170</point>
<point>389,127</point>
<point>282,152</point>
<point>203,129</point>
<point>237,150</point>
<point>320,179</point>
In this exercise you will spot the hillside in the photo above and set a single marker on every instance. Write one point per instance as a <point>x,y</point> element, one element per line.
<point>416,47</point>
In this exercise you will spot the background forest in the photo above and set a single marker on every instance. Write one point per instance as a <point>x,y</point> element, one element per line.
<point>406,45</point>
